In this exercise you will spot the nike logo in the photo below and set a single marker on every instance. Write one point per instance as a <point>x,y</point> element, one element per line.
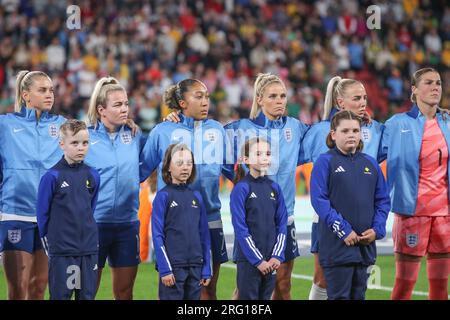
<point>404,131</point>
<point>18,130</point>
<point>94,142</point>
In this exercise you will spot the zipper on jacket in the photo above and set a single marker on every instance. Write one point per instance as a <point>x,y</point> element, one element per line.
<point>440,157</point>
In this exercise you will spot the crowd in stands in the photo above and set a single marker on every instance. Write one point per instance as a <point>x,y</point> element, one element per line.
<point>149,45</point>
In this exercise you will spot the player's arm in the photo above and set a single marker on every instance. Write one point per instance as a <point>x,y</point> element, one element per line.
<point>205,238</point>
<point>149,157</point>
<point>382,206</point>
<point>46,190</point>
<point>158,219</point>
<point>96,176</point>
<point>230,151</point>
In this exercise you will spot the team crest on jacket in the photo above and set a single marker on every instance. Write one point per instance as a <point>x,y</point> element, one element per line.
<point>126,137</point>
<point>194,204</point>
<point>288,134</point>
<point>366,136</point>
<point>14,236</point>
<point>210,136</point>
<point>412,239</point>
<point>53,130</point>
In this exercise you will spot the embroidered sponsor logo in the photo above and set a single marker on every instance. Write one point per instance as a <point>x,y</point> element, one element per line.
<point>340,169</point>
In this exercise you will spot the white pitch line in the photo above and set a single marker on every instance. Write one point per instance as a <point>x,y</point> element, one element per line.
<point>309,278</point>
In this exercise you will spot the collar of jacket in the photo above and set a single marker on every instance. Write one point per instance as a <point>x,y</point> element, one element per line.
<point>415,112</point>
<point>181,186</point>
<point>188,121</point>
<point>101,128</point>
<point>333,111</point>
<point>30,114</point>
<point>258,179</point>
<point>64,162</point>
<point>349,155</point>
<point>263,121</point>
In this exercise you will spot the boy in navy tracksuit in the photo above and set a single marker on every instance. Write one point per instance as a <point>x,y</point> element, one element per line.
<point>259,218</point>
<point>67,197</point>
<point>181,238</point>
<point>349,193</point>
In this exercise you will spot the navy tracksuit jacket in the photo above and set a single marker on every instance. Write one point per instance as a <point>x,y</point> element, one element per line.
<point>67,197</point>
<point>348,192</point>
<point>259,218</point>
<point>181,240</point>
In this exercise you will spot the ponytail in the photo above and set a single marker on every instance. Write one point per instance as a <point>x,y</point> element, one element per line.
<point>336,87</point>
<point>330,99</point>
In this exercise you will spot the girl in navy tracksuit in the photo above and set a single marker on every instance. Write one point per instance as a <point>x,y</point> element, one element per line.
<point>181,237</point>
<point>349,193</point>
<point>259,218</point>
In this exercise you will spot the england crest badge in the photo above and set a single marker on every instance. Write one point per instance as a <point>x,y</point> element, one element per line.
<point>366,136</point>
<point>412,239</point>
<point>288,134</point>
<point>14,236</point>
<point>125,137</point>
<point>53,130</point>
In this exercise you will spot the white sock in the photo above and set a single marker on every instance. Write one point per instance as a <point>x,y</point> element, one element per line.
<point>318,293</point>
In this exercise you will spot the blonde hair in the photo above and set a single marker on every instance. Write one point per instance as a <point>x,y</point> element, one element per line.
<point>24,82</point>
<point>336,88</point>
<point>261,82</point>
<point>99,96</point>
<point>415,79</point>
<point>72,125</point>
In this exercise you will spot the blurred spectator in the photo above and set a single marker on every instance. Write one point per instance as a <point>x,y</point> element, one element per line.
<point>226,44</point>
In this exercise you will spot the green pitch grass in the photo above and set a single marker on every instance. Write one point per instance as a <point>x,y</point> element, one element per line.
<point>147,281</point>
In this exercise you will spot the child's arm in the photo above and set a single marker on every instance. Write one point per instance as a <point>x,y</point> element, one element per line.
<point>96,176</point>
<point>237,206</point>
<point>382,207</point>
<point>149,157</point>
<point>158,220</point>
<point>321,202</point>
<point>229,153</point>
<point>205,238</point>
<point>281,225</point>
<point>44,199</point>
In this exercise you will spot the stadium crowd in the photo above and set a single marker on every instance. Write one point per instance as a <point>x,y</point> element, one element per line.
<point>149,45</point>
